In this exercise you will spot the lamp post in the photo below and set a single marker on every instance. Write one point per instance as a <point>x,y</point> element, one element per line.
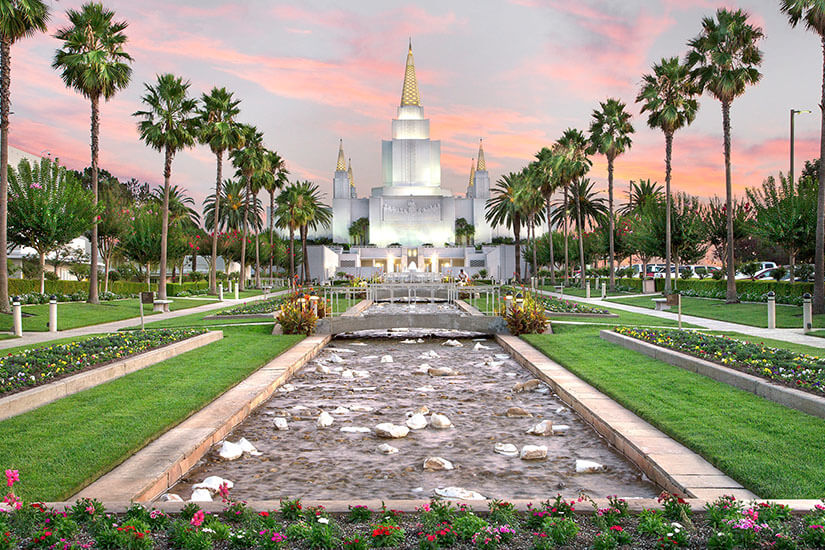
<point>794,112</point>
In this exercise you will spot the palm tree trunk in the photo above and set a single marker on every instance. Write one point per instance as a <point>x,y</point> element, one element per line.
<point>550,235</point>
<point>611,245</point>
<point>291,255</point>
<point>819,255</point>
<point>164,228</point>
<point>581,240</point>
<point>5,102</point>
<point>213,269</point>
<point>668,156</point>
<point>271,229</point>
<point>731,296</point>
<point>517,235</point>
<point>304,255</point>
<point>566,241</point>
<point>93,245</point>
<point>535,252</point>
<point>106,259</point>
<point>257,260</point>
<point>241,279</point>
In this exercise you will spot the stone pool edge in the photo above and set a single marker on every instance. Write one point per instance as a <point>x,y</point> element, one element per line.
<point>667,463</point>
<point>161,463</point>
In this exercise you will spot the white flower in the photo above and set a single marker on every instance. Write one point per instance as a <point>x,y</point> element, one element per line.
<point>207,530</point>
<point>323,520</point>
<point>670,534</point>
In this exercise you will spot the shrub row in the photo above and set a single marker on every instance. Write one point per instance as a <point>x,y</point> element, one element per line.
<point>32,286</point>
<point>554,305</point>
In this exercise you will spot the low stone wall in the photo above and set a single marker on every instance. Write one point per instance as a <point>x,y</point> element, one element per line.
<point>250,316</point>
<point>467,308</point>
<point>357,309</point>
<point>789,397</point>
<point>28,400</point>
<point>160,464</point>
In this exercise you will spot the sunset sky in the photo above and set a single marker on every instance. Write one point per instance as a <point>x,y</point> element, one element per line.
<point>516,73</point>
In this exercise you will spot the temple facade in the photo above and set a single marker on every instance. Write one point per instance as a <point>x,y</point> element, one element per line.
<point>410,207</point>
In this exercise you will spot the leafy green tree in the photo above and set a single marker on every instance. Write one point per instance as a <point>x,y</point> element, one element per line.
<point>141,242</point>
<point>501,210</point>
<point>18,19</point>
<point>167,125</point>
<point>249,160</point>
<point>116,208</point>
<point>715,223</point>
<point>724,60</point>
<point>93,62</point>
<point>669,96</point>
<point>47,208</point>
<point>610,132</point>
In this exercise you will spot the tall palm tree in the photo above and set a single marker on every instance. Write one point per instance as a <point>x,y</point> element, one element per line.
<point>640,194</point>
<point>168,125</point>
<point>181,205</point>
<point>669,96</point>
<point>18,19</point>
<point>543,165</point>
<point>220,131</point>
<point>314,214</point>
<point>724,59</point>
<point>571,163</point>
<point>275,181</point>
<point>610,132</point>
<point>93,62</point>
<point>530,200</point>
<point>248,160</point>
<point>230,208</point>
<point>813,13</point>
<point>502,209</point>
<point>586,199</point>
<point>288,213</point>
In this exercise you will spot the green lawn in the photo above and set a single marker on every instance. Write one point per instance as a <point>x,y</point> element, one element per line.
<point>774,451</point>
<point>80,314</point>
<point>578,292</point>
<point>63,446</point>
<point>752,314</point>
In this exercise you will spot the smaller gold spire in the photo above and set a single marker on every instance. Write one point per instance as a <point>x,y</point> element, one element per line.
<point>349,174</point>
<point>342,163</point>
<point>472,172</point>
<point>482,163</point>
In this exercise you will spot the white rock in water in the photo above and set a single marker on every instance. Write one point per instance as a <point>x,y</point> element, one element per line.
<point>419,341</point>
<point>588,467</point>
<point>545,427</point>
<point>386,358</point>
<point>533,452</point>
<point>441,371</point>
<point>201,495</point>
<point>172,497</point>
<point>355,430</point>
<point>248,447</point>
<point>434,463</point>
<point>425,389</point>
<point>341,410</point>
<point>369,357</point>
<point>322,369</point>
<point>418,490</point>
<point>479,347</point>
<point>417,422</point>
<point>360,408</point>
<point>324,420</point>
<point>506,449</point>
<point>230,451</point>
<point>391,431</point>
<point>560,429</point>
<point>361,373</point>
<point>560,410</point>
<point>431,354</point>
<point>502,356</point>
<point>347,374</point>
<point>358,344</point>
<point>422,369</point>
<point>408,341</point>
<point>281,424</point>
<point>458,493</point>
<point>365,388</point>
<point>335,358</point>
<point>439,421</point>
<point>337,370</point>
<point>287,388</point>
<point>453,344</point>
<point>299,408</point>
<point>387,449</point>
<point>213,484</point>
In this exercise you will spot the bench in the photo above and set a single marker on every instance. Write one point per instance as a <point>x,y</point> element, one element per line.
<point>161,306</point>
<point>559,289</point>
<point>661,304</point>
<point>266,289</point>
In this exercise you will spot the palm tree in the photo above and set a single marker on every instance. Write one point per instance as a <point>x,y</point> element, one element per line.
<point>610,135</point>
<point>248,160</point>
<point>314,214</point>
<point>813,13</point>
<point>275,181</point>
<point>18,19</point>
<point>543,166</point>
<point>724,60</point>
<point>530,200</point>
<point>571,163</point>
<point>93,62</point>
<point>640,194</point>
<point>167,125</point>
<point>586,199</point>
<point>668,95</point>
<point>230,208</point>
<point>501,209</point>
<point>288,216</point>
<point>220,131</point>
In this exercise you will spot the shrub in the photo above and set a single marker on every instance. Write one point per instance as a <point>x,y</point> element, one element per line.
<point>528,318</point>
<point>359,514</point>
<point>468,525</point>
<point>295,319</point>
<point>386,536</point>
<point>778,273</point>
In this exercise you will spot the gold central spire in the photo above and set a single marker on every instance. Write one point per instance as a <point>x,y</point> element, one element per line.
<point>409,93</point>
<point>482,164</point>
<point>342,161</point>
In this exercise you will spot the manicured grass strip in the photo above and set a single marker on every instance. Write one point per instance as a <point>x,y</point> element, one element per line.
<point>63,446</point>
<point>80,314</point>
<point>594,292</point>
<point>800,348</point>
<point>774,451</point>
<point>751,314</point>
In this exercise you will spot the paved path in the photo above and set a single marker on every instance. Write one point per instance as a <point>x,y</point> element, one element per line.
<point>43,337</point>
<point>793,335</point>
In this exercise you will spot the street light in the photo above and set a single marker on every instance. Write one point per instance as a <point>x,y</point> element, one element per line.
<point>794,112</point>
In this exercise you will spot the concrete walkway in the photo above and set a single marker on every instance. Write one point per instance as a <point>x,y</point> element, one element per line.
<point>29,338</point>
<point>792,335</point>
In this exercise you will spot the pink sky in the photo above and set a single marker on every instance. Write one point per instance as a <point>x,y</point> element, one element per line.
<point>515,73</point>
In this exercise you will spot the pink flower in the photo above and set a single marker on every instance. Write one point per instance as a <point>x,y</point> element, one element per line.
<point>197,519</point>
<point>11,477</point>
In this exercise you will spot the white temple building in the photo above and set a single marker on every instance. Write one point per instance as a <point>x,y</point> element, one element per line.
<point>410,207</point>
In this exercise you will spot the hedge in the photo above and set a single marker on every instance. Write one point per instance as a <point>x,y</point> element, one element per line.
<point>783,289</point>
<point>28,286</point>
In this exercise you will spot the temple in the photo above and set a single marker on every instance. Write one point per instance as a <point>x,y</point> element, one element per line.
<point>410,207</point>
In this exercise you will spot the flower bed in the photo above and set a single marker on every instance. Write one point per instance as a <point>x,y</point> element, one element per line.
<point>797,370</point>
<point>555,305</point>
<point>38,366</point>
<point>269,305</point>
<point>725,524</point>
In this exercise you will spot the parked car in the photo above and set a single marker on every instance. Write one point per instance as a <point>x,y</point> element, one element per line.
<point>762,266</point>
<point>706,271</point>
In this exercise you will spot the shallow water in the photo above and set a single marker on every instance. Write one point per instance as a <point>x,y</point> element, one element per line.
<point>324,463</point>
